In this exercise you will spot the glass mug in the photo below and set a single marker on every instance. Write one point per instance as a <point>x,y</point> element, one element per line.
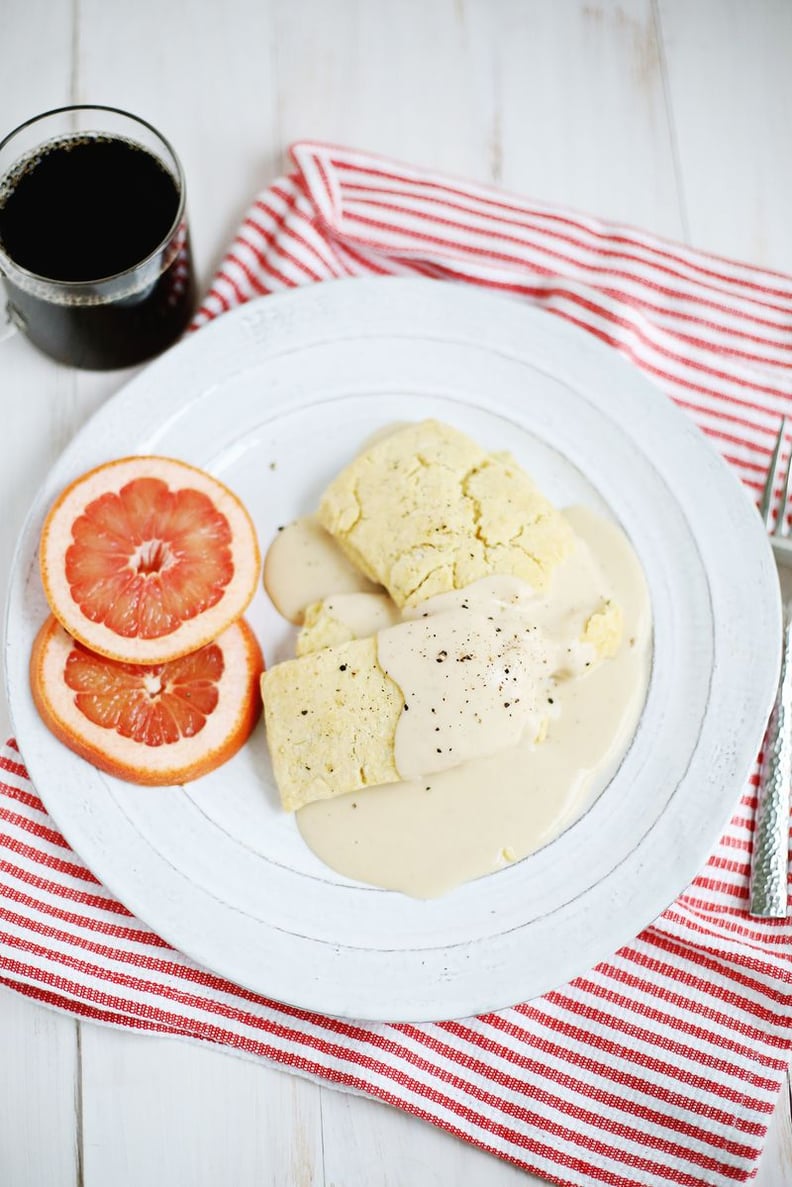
<point>94,246</point>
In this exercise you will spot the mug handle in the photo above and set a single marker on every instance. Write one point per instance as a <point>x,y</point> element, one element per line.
<point>12,322</point>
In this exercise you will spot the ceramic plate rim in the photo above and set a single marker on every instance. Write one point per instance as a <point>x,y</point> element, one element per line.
<point>390,308</point>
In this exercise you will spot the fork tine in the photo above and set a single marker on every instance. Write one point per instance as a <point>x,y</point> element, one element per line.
<point>766,505</point>
<point>782,524</point>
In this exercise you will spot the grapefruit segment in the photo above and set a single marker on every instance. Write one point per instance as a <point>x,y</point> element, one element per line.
<point>157,725</point>
<point>156,706</point>
<point>145,559</point>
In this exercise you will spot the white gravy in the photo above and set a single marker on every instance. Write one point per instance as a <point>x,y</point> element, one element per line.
<point>304,564</point>
<point>363,613</point>
<point>425,835</point>
<point>475,680</point>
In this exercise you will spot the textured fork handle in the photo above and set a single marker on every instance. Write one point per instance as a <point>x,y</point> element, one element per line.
<point>770,858</point>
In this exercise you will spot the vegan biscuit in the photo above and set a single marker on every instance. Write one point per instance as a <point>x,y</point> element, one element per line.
<point>426,510</point>
<point>331,721</point>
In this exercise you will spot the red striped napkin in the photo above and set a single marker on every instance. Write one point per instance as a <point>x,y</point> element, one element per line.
<point>661,1065</point>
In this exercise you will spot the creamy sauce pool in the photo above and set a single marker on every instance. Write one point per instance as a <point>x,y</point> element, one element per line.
<point>303,565</point>
<point>427,834</point>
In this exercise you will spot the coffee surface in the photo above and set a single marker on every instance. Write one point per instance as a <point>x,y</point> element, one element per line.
<point>85,208</point>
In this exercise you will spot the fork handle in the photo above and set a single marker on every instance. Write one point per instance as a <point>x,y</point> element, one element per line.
<point>770,857</point>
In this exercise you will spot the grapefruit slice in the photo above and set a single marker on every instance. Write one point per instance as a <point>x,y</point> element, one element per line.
<point>161,724</point>
<point>146,558</point>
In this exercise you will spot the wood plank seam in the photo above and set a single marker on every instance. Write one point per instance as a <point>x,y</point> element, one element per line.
<point>74,97</point>
<point>322,1091</point>
<point>74,76</point>
<point>78,1110</point>
<point>657,18</point>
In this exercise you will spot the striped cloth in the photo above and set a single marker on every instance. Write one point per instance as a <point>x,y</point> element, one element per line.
<point>660,1066</point>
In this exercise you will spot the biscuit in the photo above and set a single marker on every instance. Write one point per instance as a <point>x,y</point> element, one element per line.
<point>426,510</point>
<point>331,721</point>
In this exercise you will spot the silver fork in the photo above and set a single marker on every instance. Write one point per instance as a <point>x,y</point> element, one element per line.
<point>780,535</point>
<point>770,853</point>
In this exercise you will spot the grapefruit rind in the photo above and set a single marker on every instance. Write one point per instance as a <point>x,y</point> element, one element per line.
<point>193,632</point>
<point>225,731</point>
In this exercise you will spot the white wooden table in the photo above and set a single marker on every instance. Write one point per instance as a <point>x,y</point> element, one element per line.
<point>671,114</point>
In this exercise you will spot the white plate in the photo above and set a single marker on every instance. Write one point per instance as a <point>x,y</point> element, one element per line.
<point>274,398</point>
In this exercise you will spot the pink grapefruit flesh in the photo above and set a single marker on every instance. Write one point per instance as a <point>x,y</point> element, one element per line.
<point>156,724</point>
<point>145,559</point>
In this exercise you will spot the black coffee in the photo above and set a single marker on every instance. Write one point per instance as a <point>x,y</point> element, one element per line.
<point>86,208</point>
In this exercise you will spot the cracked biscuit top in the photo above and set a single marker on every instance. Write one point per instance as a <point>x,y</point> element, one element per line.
<point>426,510</point>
